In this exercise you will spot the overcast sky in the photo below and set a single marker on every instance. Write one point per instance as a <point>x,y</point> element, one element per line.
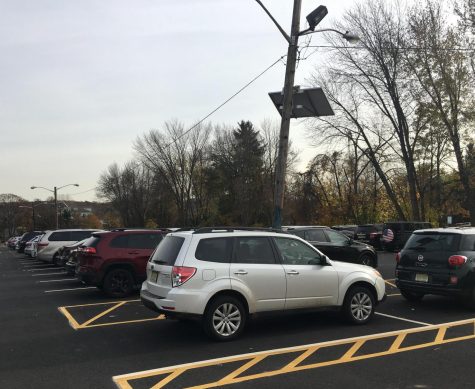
<point>80,80</point>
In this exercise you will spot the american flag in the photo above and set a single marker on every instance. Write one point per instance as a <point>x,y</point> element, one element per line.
<point>388,235</point>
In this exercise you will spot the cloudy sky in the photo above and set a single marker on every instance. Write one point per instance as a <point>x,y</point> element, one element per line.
<point>80,80</point>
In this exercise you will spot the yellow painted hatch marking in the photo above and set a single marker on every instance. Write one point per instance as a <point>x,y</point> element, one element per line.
<point>298,364</point>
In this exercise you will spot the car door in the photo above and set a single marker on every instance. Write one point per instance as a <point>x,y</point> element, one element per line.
<point>341,247</point>
<point>140,247</point>
<point>256,271</point>
<point>311,282</point>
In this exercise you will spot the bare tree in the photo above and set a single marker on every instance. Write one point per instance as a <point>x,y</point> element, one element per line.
<point>178,157</point>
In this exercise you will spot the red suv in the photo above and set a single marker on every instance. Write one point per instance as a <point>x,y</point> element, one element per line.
<point>116,261</point>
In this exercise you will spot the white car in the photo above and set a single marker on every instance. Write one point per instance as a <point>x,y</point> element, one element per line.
<point>50,243</point>
<point>30,247</point>
<point>223,276</point>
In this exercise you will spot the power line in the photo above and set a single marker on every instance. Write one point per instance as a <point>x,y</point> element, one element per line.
<point>226,101</point>
<point>86,191</point>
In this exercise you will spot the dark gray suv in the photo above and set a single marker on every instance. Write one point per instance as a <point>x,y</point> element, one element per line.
<point>438,261</point>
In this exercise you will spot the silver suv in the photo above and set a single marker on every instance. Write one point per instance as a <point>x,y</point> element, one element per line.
<point>222,276</point>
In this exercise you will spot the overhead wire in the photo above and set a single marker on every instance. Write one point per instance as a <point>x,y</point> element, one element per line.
<point>226,101</point>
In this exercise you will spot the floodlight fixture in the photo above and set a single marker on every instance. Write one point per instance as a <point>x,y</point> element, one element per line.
<point>316,16</point>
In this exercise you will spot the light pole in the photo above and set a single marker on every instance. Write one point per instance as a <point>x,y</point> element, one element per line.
<point>55,192</point>
<point>313,19</point>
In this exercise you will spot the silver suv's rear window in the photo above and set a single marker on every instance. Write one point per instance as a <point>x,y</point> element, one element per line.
<point>433,242</point>
<point>167,250</point>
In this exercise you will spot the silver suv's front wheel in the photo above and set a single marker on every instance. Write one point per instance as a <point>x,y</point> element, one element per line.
<point>224,318</point>
<point>359,305</point>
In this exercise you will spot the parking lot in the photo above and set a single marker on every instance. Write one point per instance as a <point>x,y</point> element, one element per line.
<point>56,333</point>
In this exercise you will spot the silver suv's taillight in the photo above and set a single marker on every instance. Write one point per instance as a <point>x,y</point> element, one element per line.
<point>181,274</point>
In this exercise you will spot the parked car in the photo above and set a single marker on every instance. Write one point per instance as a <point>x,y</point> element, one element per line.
<point>347,229</point>
<point>336,245</point>
<point>30,248</point>
<point>438,261</point>
<point>27,236</point>
<point>396,233</point>
<point>11,243</point>
<point>223,276</point>
<point>370,234</point>
<point>116,261</point>
<point>52,241</point>
<point>65,252</point>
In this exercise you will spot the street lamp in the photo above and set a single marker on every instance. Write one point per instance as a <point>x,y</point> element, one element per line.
<point>55,192</point>
<point>314,18</point>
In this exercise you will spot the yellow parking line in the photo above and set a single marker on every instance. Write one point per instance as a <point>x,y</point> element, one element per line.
<point>390,283</point>
<point>87,324</point>
<point>103,314</point>
<point>72,321</point>
<point>252,359</point>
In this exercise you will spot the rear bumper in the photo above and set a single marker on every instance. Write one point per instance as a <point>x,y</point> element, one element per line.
<point>441,290</point>
<point>88,276</point>
<point>148,300</point>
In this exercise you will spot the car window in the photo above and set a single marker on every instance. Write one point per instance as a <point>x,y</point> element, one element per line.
<point>294,252</point>
<point>80,235</point>
<point>299,233</point>
<point>433,242</point>
<point>144,241</point>
<point>60,236</point>
<point>167,250</point>
<point>315,236</point>
<point>121,241</point>
<point>254,250</point>
<point>468,243</point>
<point>395,227</point>
<point>215,250</point>
<point>336,237</point>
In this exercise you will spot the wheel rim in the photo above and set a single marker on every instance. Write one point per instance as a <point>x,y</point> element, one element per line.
<point>361,306</point>
<point>226,319</point>
<point>120,282</point>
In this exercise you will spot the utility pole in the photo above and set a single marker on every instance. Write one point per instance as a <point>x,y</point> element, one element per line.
<point>55,190</point>
<point>281,164</point>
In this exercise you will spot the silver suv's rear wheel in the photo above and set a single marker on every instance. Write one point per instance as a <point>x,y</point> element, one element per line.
<point>359,305</point>
<point>224,318</point>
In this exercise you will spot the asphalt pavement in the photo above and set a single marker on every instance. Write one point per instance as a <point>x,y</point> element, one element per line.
<point>56,333</point>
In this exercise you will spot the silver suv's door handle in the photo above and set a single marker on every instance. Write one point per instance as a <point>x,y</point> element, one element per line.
<point>293,272</point>
<point>239,272</point>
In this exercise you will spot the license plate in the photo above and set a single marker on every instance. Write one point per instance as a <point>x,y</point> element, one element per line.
<point>422,277</point>
<point>154,276</point>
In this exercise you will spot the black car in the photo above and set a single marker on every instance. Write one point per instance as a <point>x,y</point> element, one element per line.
<point>438,261</point>
<point>370,234</point>
<point>396,233</point>
<point>27,236</point>
<point>336,245</point>
<point>347,229</point>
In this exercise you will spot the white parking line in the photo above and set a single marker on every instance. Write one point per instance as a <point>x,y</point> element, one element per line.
<point>35,265</point>
<point>403,319</point>
<point>43,268</point>
<point>61,280</point>
<point>48,274</point>
<point>65,290</point>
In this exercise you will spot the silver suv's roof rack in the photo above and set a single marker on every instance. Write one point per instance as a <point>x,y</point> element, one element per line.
<point>206,230</point>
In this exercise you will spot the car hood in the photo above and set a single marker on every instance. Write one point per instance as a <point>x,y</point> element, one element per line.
<point>346,267</point>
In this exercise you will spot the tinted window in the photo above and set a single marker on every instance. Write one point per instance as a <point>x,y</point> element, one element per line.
<point>315,236</point>
<point>395,227</point>
<point>144,241</point>
<point>433,242</point>
<point>60,236</point>
<point>121,241</point>
<point>254,250</point>
<point>80,235</point>
<point>336,237</point>
<point>167,251</point>
<point>214,250</point>
<point>468,243</point>
<point>366,229</point>
<point>300,234</point>
<point>294,252</point>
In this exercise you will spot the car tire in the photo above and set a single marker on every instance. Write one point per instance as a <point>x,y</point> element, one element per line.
<point>359,305</point>
<point>411,296</point>
<point>55,259</point>
<point>222,315</point>
<point>366,259</point>
<point>118,283</point>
